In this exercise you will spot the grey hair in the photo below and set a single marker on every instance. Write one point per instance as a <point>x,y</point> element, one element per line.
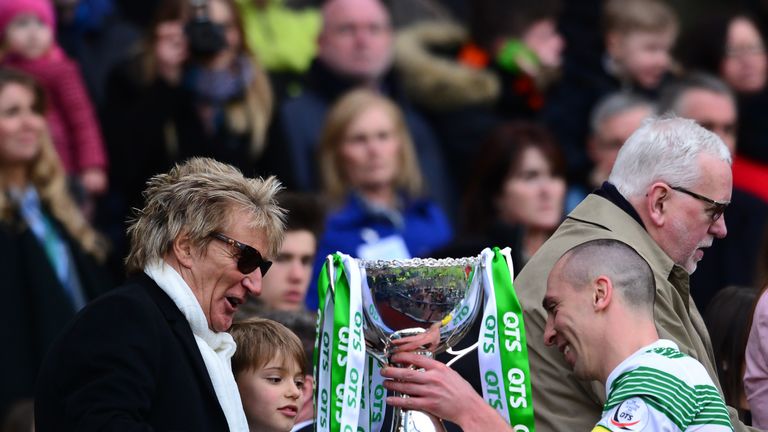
<point>672,96</point>
<point>630,274</point>
<point>615,104</point>
<point>664,149</point>
<point>199,197</point>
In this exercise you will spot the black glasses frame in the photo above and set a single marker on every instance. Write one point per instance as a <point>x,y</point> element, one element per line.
<point>718,207</point>
<point>248,259</point>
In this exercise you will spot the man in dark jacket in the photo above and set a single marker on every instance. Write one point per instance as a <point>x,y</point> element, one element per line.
<point>154,355</point>
<point>354,50</point>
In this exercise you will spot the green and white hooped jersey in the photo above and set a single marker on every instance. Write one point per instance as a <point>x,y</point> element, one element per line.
<point>660,389</point>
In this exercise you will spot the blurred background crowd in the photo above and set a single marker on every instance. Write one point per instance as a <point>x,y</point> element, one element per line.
<point>400,128</point>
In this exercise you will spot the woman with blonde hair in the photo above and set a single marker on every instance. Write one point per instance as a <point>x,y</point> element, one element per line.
<point>49,255</point>
<point>371,177</point>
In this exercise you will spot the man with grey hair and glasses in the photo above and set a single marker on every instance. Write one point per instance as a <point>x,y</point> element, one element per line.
<point>733,260</point>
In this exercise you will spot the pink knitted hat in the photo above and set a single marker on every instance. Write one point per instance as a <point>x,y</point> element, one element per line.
<point>10,9</point>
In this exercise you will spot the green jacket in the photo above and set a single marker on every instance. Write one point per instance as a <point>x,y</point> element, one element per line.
<point>561,401</point>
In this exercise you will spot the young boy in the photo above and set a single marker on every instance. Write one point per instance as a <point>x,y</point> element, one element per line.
<point>638,36</point>
<point>269,367</point>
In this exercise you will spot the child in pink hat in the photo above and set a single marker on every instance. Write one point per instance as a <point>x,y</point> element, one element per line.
<point>27,31</point>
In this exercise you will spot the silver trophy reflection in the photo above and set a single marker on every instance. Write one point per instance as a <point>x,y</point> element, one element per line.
<point>420,305</point>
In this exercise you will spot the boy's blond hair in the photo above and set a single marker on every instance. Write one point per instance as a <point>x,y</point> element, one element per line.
<point>261,340</point>
<point>628,16</point>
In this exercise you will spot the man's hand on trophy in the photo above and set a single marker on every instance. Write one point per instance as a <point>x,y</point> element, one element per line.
<point>435,388</point>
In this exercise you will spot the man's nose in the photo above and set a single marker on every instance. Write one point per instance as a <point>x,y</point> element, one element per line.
<point>297,269</point>
<point>718,229</point>
<point>549,333</point>
<point>252,282</point>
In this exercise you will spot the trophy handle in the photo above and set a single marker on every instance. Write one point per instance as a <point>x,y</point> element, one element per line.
<point>458,355</point>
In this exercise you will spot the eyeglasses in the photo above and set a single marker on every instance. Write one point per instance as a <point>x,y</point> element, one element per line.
<point>718,207</point>
<point>248,259</point>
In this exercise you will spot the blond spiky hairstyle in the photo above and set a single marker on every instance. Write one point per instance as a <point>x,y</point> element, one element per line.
<point>198,198</point>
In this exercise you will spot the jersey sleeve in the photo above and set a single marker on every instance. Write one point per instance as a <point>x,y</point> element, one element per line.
<point>635,414</point>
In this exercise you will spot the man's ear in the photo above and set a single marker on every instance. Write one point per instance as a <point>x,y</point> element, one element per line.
<point>602,293</point>
<point>183,249</point>
<point>656,203</point>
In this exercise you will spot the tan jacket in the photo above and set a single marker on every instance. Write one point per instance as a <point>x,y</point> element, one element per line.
<point>562,402</point>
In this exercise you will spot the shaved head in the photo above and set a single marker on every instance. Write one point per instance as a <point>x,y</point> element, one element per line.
<point>629,272</point>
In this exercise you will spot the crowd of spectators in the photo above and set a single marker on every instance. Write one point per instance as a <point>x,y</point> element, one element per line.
<point>400,128</point>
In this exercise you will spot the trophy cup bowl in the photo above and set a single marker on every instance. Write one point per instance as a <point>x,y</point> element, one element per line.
<point>422,305</point>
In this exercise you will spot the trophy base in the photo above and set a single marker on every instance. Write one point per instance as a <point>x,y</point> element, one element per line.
<point>415,421</point>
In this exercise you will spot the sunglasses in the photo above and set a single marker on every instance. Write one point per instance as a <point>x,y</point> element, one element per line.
<point>718,207</point>
<point>248,259</point>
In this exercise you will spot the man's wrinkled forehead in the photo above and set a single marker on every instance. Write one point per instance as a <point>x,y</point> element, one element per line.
<point>336,12</point>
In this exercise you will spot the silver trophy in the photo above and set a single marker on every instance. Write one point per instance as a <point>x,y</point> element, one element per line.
<point>420,305</point>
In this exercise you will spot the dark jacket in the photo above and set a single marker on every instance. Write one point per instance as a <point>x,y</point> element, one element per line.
<point>35,305</point>
<point>300,120</point>
<point>128,362</point>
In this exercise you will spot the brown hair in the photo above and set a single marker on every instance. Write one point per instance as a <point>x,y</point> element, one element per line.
<point>490,20</point>
<point>260,340</point>
<point>46,174</point>
<point>499,158</point>
<point>345,111</point>
<point>166,11</point>
<point>628,16</point>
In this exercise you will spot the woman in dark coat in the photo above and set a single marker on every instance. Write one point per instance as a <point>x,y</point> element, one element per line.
<point>49,254</point>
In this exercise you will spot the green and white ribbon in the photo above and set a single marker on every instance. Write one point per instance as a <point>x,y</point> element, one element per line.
<point>376,395</point>
<point>373,417</point>
<point>323,338</point>
<point>341,369</point>
<point>502,351</point>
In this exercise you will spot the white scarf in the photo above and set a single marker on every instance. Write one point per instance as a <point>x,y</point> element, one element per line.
<point>216,348</point>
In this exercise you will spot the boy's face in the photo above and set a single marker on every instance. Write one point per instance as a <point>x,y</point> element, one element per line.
<point>643,56</point>
<point>285,286</point>
<point>28,36</point>
<point>272,395</point>
<point>543,39</point>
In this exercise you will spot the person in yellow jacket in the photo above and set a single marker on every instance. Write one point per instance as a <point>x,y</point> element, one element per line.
<point>284,39</point>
